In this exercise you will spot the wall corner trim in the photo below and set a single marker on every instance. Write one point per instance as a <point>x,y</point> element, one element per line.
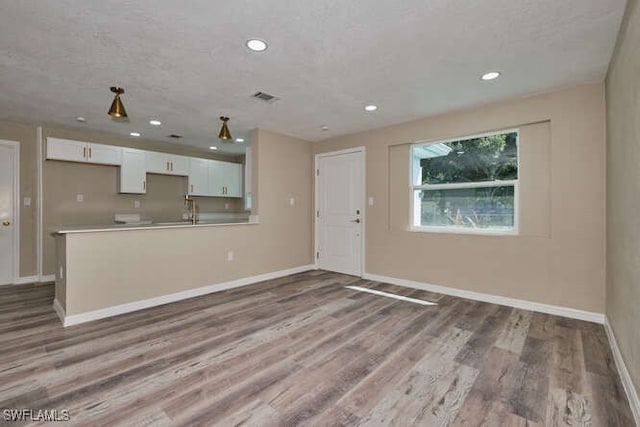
<point>572,313</point>
<point>57,307</point>
<point>75,319</point>
<point>625,377</point>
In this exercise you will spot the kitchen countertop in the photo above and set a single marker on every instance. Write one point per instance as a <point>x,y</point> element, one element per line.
<point>159,225</point>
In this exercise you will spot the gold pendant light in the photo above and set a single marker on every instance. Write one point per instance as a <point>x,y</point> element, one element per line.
<point>117,108</point>
<point>224,134</point>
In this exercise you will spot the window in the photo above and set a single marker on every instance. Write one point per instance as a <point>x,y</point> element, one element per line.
<point>466,184</point>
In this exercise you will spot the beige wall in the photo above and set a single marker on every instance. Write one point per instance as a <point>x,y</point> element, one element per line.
<point>623,192</point>
<point>62,181</point>
<point>157,262</point>
<point>558,258</point>
<point>26,136</point>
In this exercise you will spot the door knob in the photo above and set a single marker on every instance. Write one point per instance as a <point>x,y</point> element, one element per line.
<point>6,223</point>
<point>357,220</point>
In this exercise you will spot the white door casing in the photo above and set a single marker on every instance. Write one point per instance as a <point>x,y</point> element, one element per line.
<point>340,211</point>
<point>9,220</point>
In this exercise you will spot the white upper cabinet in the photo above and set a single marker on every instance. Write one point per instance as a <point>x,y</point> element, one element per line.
<point>133,172</point>
<point>233,184</point>
<point>157,162</point>
<point>199,181</point>
<point>226,179</point>
<point>212,178</point>
<point>168,164</point>
<point>179,165</point>
<point>87,152</point>
<point>215,178</point>
<point>63,149</point>
<point>104,154</point>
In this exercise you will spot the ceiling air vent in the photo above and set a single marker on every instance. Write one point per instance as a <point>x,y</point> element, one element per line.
<point>174,136</point>
<point>263,96</point>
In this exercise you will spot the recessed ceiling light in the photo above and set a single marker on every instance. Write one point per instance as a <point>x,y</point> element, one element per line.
<point>324,128</point>
<point>81,119</point>
<point>213,148</point>
<point>491,75</point>
<point>155,122</point>
<point>257,45</point>
<point>371,107</point>
<point>134,133</point>
<point>239,139</point>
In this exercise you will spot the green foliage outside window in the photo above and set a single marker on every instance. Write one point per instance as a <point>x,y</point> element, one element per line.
<point>488,158</point>
<point>483,159</point>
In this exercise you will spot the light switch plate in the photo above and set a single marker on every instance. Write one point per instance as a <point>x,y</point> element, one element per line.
<point>136,203</point>
<point>79,198</point>
<point>370,201</point>
<point>27,201</point>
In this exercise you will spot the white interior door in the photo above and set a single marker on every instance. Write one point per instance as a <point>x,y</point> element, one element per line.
<point>8,233</point>
<point>339,216</point>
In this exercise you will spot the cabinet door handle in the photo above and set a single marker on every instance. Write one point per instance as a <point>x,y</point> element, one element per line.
<point>84,152</point>
<point>167,166</point>
<point>144,185</point>
<point>171,166</point>
<point>192,188</point>
<point>89,152</point>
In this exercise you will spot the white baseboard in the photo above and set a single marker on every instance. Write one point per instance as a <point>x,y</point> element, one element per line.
<point>32,279</point>
<point>57,307</point>
<point>625,377</point>
<point>74,319</point>
<point>572,313</point>
<point>25,279</point>
<point>47,278</point>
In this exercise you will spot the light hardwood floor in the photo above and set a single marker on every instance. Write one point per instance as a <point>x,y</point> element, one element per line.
<point>303,350</point>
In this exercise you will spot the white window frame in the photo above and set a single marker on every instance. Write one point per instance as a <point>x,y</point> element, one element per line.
<point>414,212</point>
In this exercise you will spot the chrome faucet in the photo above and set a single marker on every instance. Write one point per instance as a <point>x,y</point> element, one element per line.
<point>193,209</point>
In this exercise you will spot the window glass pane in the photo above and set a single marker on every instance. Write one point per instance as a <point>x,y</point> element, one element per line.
<point>488,158</point>
<point>480,208</point>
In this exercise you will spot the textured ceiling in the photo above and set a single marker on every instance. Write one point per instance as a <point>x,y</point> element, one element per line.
<point>186,62</point>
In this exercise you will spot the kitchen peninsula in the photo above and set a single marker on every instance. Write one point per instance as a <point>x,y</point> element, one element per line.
<point>89,178</point>
<point>108,270</point>
<point>113,269</point>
